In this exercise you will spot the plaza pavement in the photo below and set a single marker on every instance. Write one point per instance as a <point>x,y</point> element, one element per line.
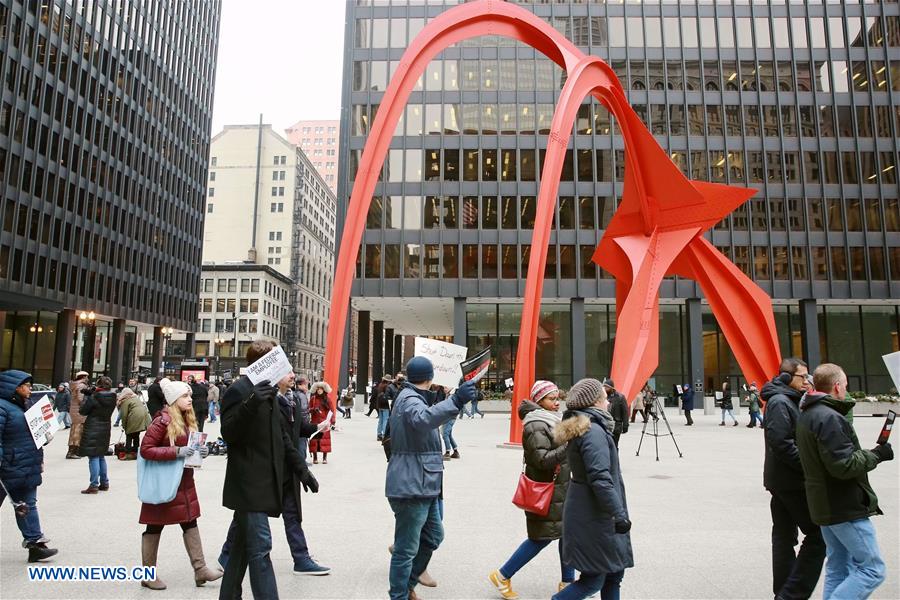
<point>701,523</point>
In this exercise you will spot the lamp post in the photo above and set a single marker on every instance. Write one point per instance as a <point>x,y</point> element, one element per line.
<point>167,335</point>
<point>85,320</point>
<point>217,343</point>
<point>234,323</point>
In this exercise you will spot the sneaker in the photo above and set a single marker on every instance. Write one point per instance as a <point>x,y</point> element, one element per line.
<point>504,586</point>
<point>562,585</point>
<point>39,551</point>
<point>455,454</point>
<point>311,567</point>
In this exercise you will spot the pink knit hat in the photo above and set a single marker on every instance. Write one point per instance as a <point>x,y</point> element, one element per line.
<point>542,388</point>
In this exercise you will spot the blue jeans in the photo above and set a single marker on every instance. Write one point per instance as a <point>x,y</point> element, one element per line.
<point>528,550</point>
<point>383,415</point>
<point>730,414</point>
<point>447,435</point>
<point>588,585</point>
<point>212,412</point>
<point>30,524</point>
<point>854,567</point>
<point>292,530</point>
<point>97,466</point>
<point>418,532</point>
<point>251,547</point>
<point>756,416</point>
<point>64,419</point>
<point>475,410</point>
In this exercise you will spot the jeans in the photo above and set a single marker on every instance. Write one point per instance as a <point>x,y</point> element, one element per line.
<point>293,530</point>
<point>447,435</point>
<point>794,576</point>
<point>589,584</point>
<point>687,416</point>
<point>383,415</point>
<point>528,550</point>
<point>730,414</point>
<point>30,524</point>
<point>475,410</point>
<point>64,419</point>
<point>97,466</point>
<point>754,417</point>
<point>418,532</point>
<point>854,568</point>
<point>212,412</point>
<point>251,547</point>
<point>118,419</point>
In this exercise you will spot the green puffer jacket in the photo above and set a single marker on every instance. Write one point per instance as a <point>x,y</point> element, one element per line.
<point>542,455</point>
<point>834,465</point>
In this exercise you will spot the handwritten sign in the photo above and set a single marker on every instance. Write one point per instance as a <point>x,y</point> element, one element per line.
<point>41,421</point>
<point>271,367</point>
<point>445,358</point>
<point>892,362</point>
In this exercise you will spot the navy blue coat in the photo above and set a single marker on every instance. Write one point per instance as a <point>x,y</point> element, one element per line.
<point>20,461</point>
<point>687,398</point>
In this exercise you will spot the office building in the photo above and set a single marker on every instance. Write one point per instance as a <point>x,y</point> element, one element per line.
<point>319,141</point>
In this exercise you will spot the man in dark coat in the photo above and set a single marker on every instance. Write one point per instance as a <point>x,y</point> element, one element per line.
<point>156,400</point>
<point>20,462</point>
<point>840,497</point>
<point>618,408</point>
<point>259,449</point>
<point>200,400</point>
<point>62,400</point>
<point>687,402</point>
<point>793,575</point>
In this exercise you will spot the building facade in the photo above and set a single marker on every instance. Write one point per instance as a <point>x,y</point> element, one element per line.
<point>798,100</point>
<point>319,140</point>
<point>268,206</point>
<point>104,133</point>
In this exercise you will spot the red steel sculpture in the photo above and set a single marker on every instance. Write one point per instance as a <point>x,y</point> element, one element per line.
<point>656,231</point>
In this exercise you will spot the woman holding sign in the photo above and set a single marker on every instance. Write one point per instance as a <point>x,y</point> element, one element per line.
<point>319,410</point>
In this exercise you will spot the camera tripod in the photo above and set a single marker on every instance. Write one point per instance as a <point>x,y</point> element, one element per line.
<point>654,410</point>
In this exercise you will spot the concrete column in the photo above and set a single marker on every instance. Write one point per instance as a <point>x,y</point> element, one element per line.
<point>190,341</point>
<point>694,315</point>
<point>377,351</point>
<point>362,349</point>
<point>389,351</point>
<point>460,330</point>
<point>579,341</point>
<point>156,364</point>
<point>62,347</point>
<point>409,349</point>
<point>87,351</point>
<point>398,354</point>
<point>809,333</point>
<point>117,351</point>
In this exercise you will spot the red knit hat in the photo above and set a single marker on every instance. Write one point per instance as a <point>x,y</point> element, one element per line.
<point>542,388</point>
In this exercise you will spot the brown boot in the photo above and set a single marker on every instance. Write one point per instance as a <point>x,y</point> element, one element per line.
<point>194,547</point>
<point>149,548</point>
<point>427,580</point>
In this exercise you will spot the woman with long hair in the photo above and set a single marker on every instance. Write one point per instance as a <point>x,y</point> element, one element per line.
<point>166,440</point>
<point>97,408</point>
<point>319,407</point>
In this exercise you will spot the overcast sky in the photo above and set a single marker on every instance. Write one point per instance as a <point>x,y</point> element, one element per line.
<point>281,58</point>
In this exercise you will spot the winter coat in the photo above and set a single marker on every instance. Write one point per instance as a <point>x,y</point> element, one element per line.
<point>726,399</point>
<point>295,429</point>
<point>213,394</point>
<point>416,466</point>
<point>753,398</point>
<point>156,400</point>
<point>836,467</point>
<point>618,408</point>
<point>97,408</point>
<point>77,389</point>
<point>257,447</point>
<point>543,456</point>
<point>185,506</point>
<point>382,399</point>
<point>687,398</point>
<point>782,470</point>
<point>596,496</point>
<point>62,400</point>
<point>319,406</point>
<point>200,399</point>
<point>20,461</point>
<point>639,402</point>
<point>134,414</point>
<point>302,401</point>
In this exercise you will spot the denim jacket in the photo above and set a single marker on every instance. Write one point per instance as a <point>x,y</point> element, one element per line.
<point>416,468</point>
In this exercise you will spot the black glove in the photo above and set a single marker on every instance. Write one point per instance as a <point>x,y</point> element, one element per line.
<point>310,484</point>
<point>262,392</point>
<point>623,526</point>
<point>465,394</point>
<point>884,452</point>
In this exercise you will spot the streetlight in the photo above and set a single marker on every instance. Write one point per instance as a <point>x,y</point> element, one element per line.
<point>217,343</point>
<point>167,334</point>
<point>85,320</point>
<point>234,324</point>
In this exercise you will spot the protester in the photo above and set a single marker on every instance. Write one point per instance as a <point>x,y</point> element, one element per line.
<point>393,389</point>
<point>451,448</point>
<point>687,403</point>
<point>21,463</point>
<point>320,411</point>
<point>753,399</point>
<point>545,461</point>
<point>727,405</point>
<point>840,498</point>
<point>382,405</point>
<point>346,404</point>
<point>61,403</point>
<point>135,419</point>
<point>479,396</point>
<point>259,449</point>
<point>618,408</point>
<point>373,400</point>
<point>793,575</point>
<point>213,399</point>
<point>97,408</point>
<point>156,400</point>
<point>414,478</point>
<point>200,397</point>
<point>302,400</point>
<point>133,386</point>
<point>76,387</point>
<point>596,523</point>
<point>639,406</point>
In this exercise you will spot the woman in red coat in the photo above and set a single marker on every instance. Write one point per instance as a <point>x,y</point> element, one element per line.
<point>319,407</point>
<point>167,439</point>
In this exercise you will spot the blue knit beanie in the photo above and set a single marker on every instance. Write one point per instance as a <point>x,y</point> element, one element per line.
<point>419,370</point>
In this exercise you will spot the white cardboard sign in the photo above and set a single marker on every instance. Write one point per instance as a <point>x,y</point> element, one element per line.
<point>892,362</point>
<point>445,357</point>
<point>41,420</point>
<point>273,366</point>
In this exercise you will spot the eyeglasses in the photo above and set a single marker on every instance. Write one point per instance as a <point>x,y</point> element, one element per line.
<point>805,376</point>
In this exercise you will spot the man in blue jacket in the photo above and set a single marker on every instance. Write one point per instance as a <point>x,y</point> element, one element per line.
<point>21,462</point>
<point>414,481</point>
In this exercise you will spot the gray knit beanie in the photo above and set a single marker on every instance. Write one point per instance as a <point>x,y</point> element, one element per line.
<point>585,393</point>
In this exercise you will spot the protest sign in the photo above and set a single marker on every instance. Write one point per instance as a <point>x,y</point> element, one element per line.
<point>324,424</point>
<point>679,388</point>
<point>445,358</point>
<point>509,382</point>
<point>41,420</point>
<point>892,362</point>
<point>476,367</point>
<point>197,439</point>
<point>271,367</point>
<point>719,395</point>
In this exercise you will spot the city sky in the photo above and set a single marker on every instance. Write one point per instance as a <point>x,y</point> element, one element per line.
<point>281,58</point>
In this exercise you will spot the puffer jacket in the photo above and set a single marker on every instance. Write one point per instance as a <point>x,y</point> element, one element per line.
<point>782,470</point>
<point>543,456</point>
<point>618,408</point>
<point>97,409</point>
<point>20,461</point>
<point>416,466</point>
<point>135,417</point>
<point>185,506</point>
<point>595,500</point>
<point>836,467</point>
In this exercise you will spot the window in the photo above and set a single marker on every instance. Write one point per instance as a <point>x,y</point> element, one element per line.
<point>209,207</point>
<point>212,192</point>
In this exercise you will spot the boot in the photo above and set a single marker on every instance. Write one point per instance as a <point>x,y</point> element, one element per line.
<point>73,452</point>
<point>39,551</point>
<point>455,453</point>
<point>427,580</point>
<point>194,547</point>
<point>149,548</point>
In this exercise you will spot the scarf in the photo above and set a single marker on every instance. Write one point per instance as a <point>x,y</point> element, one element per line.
<point>605,416</point>
<point>544,415</point>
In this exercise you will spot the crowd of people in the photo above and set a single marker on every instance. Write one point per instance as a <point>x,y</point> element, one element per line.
<point>814,470</point>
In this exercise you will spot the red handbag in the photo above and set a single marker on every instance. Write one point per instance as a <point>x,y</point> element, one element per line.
<point>534,496</point>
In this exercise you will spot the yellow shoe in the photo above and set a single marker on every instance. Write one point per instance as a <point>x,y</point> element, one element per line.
<point>562,585</point>
<point>504,586</point>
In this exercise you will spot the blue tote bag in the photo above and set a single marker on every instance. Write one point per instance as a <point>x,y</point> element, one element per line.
<point>158,480</point>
